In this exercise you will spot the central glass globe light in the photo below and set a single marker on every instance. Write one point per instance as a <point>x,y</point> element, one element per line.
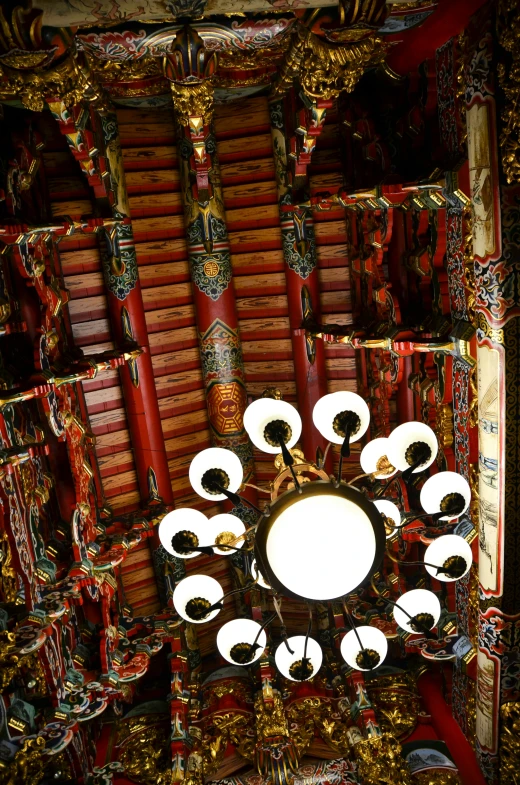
<point>320,544</point>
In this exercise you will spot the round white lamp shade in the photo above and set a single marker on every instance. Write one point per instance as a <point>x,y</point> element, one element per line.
<point>372,640</point>
<point>336,528</point>
<point>421,603</point>
<point>449,547</point>
<point>202,589</point>
<point>234,638</point>
<point>224,529</point>
<point>404,437</point>
<point>257,575</point>
<point>289,664</point>
<point>221,460</point>
<point>264,411</point>
<point>437,489</point>
<point>330,406</point>
<point>390,511</point>
<point>372,453</point>
<point>188,520</point>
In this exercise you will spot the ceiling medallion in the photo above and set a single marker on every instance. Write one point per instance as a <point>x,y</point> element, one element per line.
<point>319,538</point>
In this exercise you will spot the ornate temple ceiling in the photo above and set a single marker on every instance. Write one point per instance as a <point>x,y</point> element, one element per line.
<point>249,188</point>
<point>124,55</point>
<point>348,119</point>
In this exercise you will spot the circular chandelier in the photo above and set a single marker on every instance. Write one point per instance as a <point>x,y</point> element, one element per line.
<point>319,538</point>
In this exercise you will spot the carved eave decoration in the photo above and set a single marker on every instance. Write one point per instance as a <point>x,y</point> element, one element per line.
<point>326,52</point>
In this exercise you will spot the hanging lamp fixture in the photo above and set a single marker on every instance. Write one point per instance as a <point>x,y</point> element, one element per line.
<point>319,538</point>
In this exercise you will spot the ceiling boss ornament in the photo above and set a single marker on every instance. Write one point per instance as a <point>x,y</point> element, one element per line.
<point>319,538</point>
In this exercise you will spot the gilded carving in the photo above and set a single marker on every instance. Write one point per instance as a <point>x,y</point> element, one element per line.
<point>510,743</point>
<point>310,714</point>
<point>70,82</point>
<point>27,765</point>
<point>34,666</point>
<point>270,718</point>
<point>437,777</point>
<point>192,100</point>
<point>10,660</point>
<point>145,752</point>
<point>508,22</point>
<point>469,262</point>
<point>396,703</point>
<point>146,67</point>
<point>229,728</point>
<point>444,425</point>
<point>471,704</point>
<point>9,579</point>
<point>380,761</point>
<point>326,70</point>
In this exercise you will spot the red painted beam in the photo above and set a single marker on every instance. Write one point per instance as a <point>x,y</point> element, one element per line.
<point>448,730</point>
<point>421,43</point>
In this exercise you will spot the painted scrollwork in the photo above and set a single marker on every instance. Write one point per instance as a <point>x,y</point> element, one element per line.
<point>211,274</point>
<point>304,264</point>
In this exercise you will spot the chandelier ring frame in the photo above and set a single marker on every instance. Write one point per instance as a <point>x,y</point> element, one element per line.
<point>312,489</point>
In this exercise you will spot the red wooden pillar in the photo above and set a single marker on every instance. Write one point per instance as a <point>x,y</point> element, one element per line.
<point>405,396</point>
<point>293,155</point>
<point>448,729</point>
<point>210,262</point>
<point>125,302</point>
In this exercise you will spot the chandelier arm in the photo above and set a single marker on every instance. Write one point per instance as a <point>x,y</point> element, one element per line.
<point>413,563</point>
<point>350,424</point>
<point>289,461</point>
<point>286,455</point>
<point>345,447</point>
<point>266,623</point>
<point>216,545</point>
<point>296,481</point>
<point>353,627</point>
<point>411,516</point>
<point>321,464</point>
<point>360,477</point>
<point>309,630</point>
<point>286,642</point>
<point>278,608</point>
<point>220,602</point>
<point>235,498</point>
<point>256,487</point>
<point>207,550</point>
<point>437,516</point>
<point>407,474</point>
<point>423,627</point>
<point>383,487</point>
<point>340,468</point>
